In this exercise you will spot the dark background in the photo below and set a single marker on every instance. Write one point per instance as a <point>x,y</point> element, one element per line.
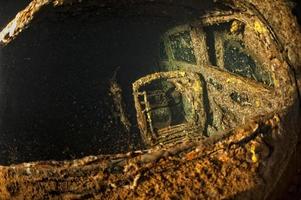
<point>55,80</point>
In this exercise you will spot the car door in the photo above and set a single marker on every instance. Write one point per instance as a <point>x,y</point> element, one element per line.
<point>169,107</point>
<point>227,54</point>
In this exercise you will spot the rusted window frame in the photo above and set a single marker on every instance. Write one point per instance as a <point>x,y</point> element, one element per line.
<point>192,89</point>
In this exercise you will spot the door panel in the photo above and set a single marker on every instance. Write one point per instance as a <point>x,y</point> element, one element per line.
<point>233,99</point>
<point>169,106</point>
<point>236,85</point>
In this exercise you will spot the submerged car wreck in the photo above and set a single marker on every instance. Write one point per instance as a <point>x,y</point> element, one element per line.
<point>169,107</point>
<point>218,116</point>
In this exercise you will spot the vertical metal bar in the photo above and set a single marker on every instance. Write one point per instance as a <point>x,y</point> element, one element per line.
<point>147,109</point>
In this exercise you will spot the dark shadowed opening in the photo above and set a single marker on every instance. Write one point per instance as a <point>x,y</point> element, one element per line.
<point>55,80</point>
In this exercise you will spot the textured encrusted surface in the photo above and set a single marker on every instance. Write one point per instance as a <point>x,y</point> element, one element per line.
<point>229,167</point>
<point>240,165</point>
<point>21,21</point>
<point>284,23</point>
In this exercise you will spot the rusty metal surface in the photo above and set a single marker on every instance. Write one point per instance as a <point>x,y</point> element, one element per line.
<point>244,163</point>
<point>236,158</point>
<point>188,85</point>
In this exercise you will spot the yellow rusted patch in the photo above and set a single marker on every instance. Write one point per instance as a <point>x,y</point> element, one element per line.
<point>198,168</point>
<point>258,26</point>
<point>233,80</point>
<point>197,86</point>
<point>276,82</point>
<point>257,103</point>
<point>254,156</point>
<point>236,26</point>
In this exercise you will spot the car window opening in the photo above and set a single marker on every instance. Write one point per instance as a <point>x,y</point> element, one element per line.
<point>227,50</point>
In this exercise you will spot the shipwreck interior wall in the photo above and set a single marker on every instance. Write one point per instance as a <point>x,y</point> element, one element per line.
<point>55,78</point>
